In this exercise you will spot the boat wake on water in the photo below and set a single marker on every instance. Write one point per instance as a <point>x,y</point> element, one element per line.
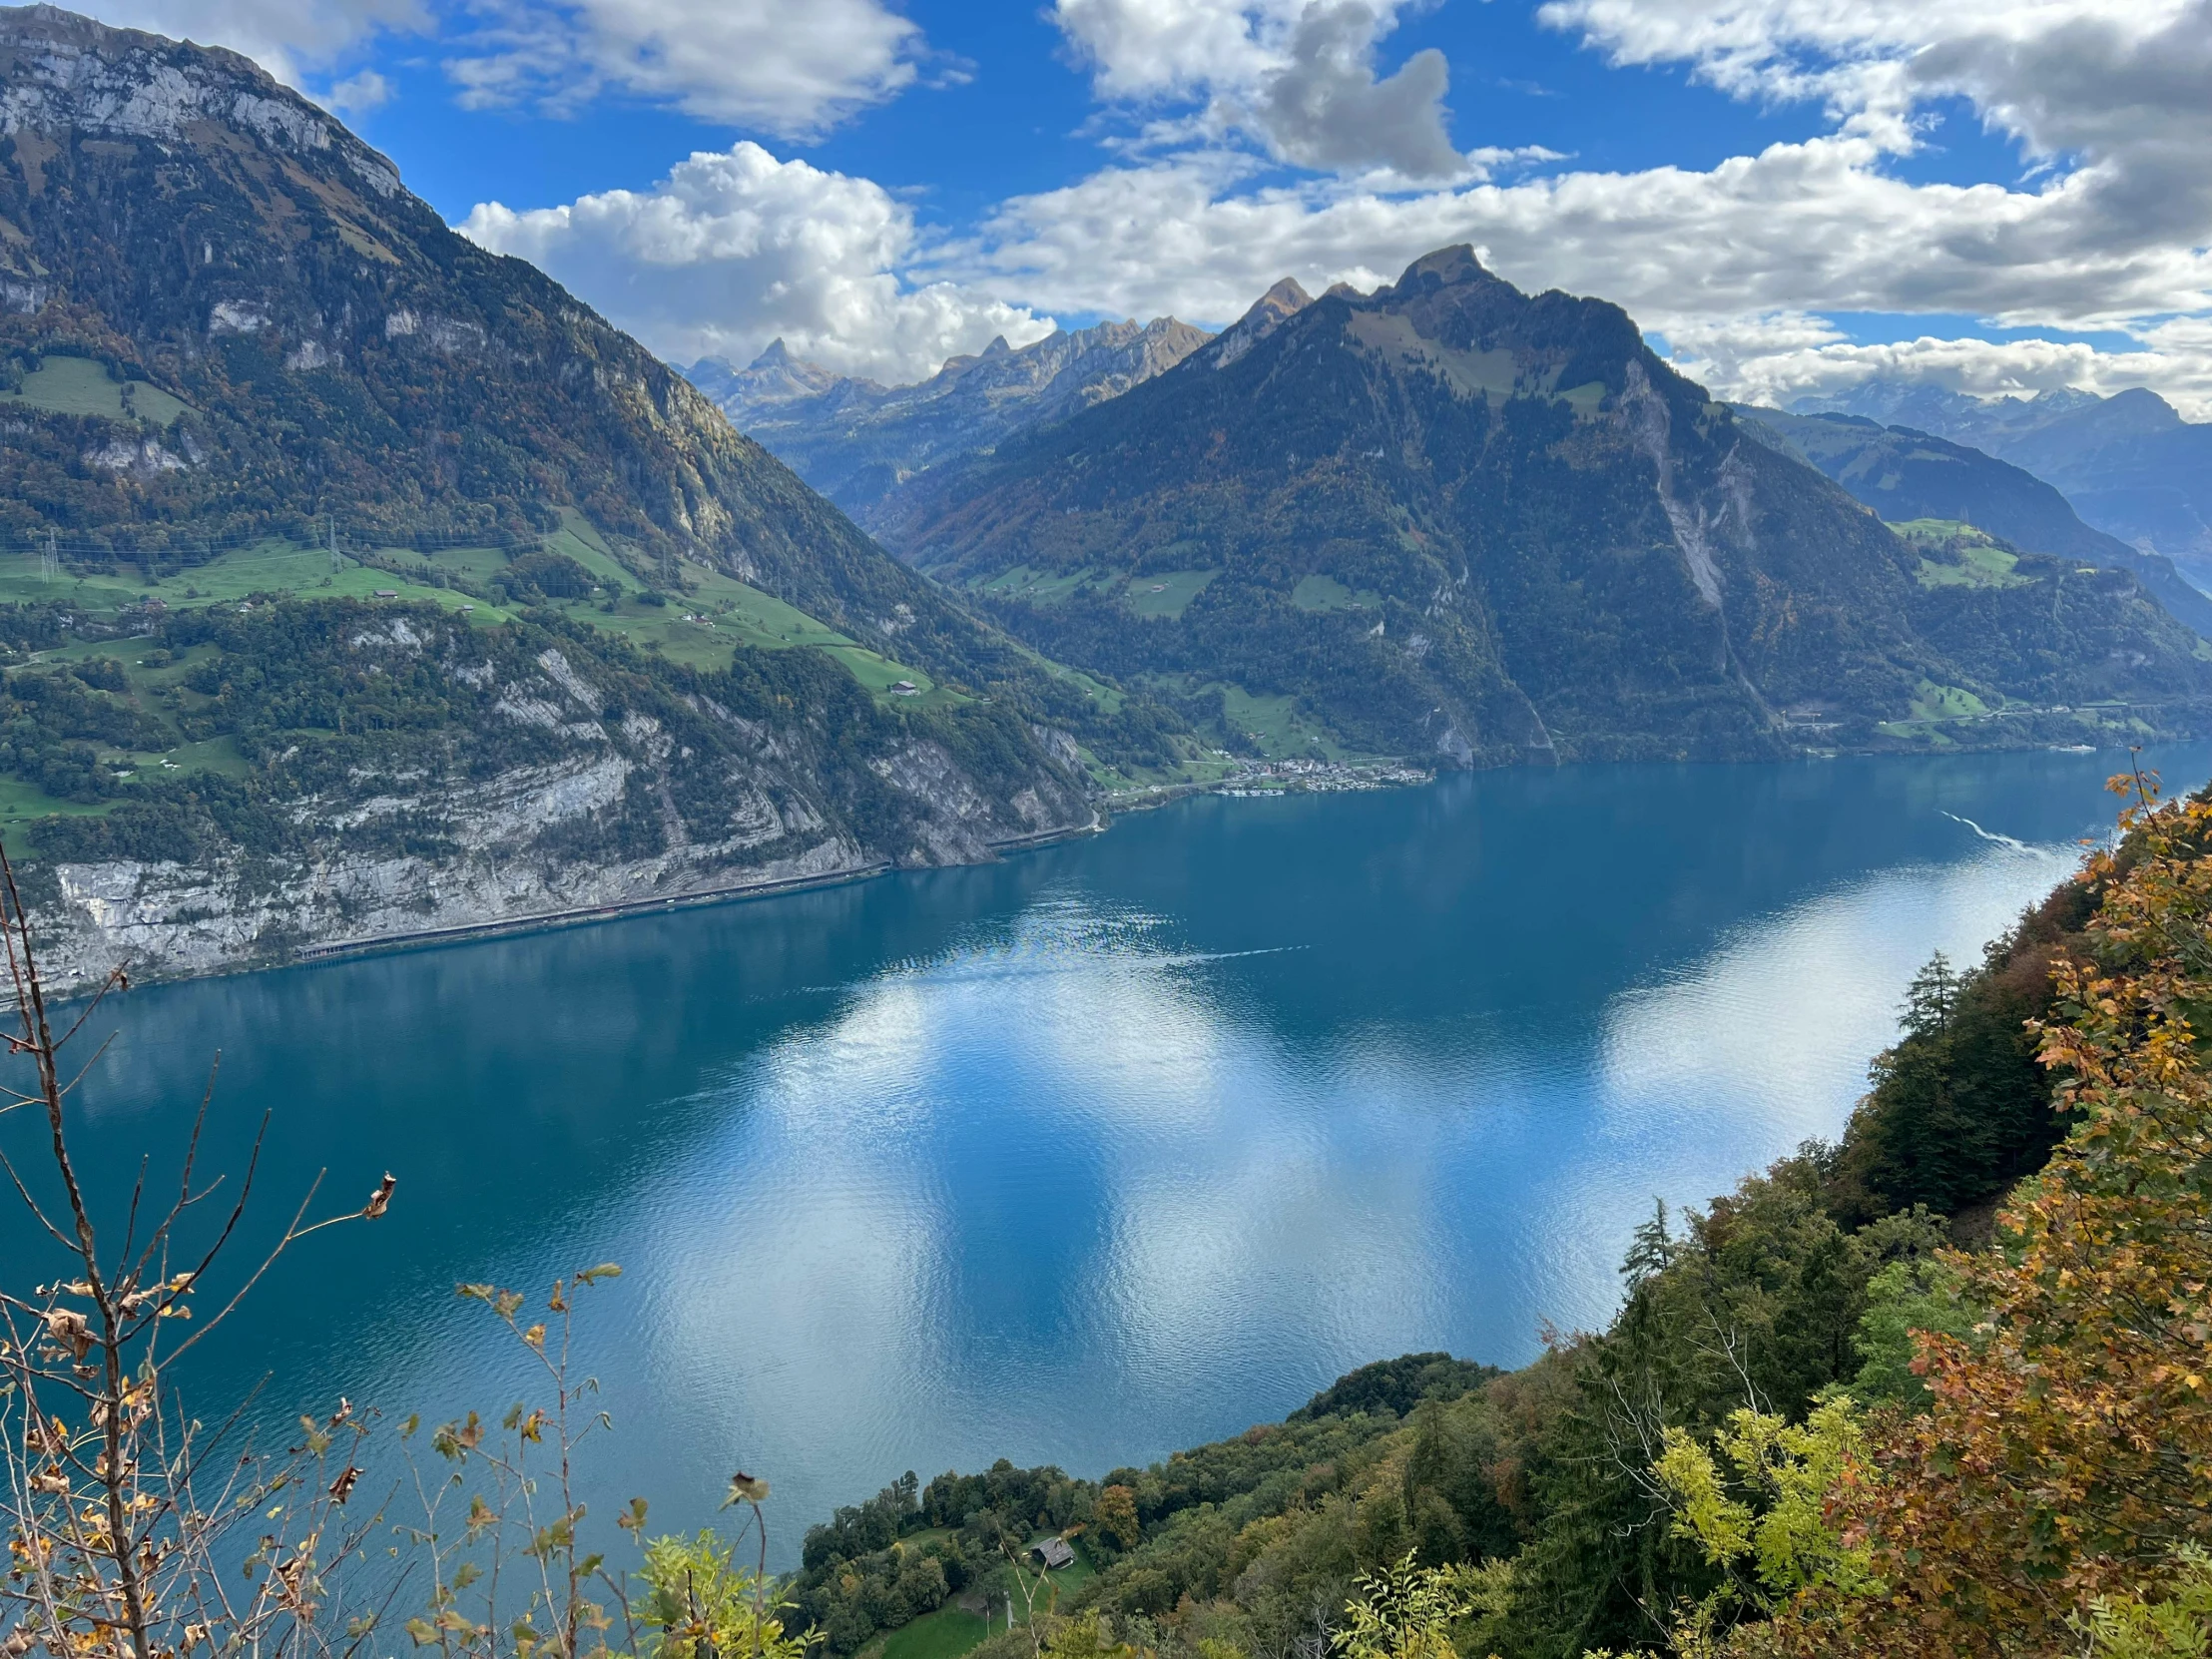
<point>1991,834</point>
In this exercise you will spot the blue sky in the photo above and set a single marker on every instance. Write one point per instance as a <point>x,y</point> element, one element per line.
<point>1999,194</point>
<point>1011,113</point>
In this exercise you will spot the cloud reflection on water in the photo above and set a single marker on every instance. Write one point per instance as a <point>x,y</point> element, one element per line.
<point>1107,1149</point>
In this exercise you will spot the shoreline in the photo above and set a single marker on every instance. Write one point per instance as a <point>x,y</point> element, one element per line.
<point>586,915</point>
<point>1308,778</point>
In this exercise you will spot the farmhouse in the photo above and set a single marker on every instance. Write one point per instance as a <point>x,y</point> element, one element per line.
<point>1053,1552</point>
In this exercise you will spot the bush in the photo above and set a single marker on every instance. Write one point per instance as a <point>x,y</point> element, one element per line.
<point>555,575</point>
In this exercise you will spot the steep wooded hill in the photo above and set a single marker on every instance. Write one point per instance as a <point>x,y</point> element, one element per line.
<point>1453,518</point>
<point>2130,463</point>
<point>1903,473</point>
<point>227,316</point>
<point>642,661</point>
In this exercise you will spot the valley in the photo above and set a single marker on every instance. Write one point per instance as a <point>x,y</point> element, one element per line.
<point>1497,955</point>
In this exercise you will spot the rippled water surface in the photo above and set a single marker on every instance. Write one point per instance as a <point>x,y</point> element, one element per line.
<point>1108,1149</point>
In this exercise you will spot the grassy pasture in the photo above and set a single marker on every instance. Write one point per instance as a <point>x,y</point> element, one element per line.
<point>1325,593</point>
<point>1165,593</point>
<point>945,1634</point>
<point>1934,702</point>
<point>1956,555</point>
<point>1040,586</point>
<point>1277,724</point>
<point>730,612</point>
<point>80,387</point>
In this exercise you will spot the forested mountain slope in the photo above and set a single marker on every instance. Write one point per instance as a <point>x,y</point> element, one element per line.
<point>232,336</point>
<point>1450,519</point>
<point>296,337</point>
<point>1903,473</point>
<point>2130,463</point>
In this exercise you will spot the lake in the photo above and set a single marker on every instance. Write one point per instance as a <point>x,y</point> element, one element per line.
<point>1111,1148</point>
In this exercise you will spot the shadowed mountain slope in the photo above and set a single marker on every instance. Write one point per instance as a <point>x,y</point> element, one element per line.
<point>1903,473</point>
<point>2130,463</point>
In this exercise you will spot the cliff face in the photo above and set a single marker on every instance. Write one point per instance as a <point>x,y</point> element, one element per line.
<point>477,776</point>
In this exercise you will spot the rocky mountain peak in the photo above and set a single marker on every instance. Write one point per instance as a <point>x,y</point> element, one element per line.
<point>1267,314</point>
<point>1455,518</point>
<point>60,73</point>
<point>1445,267</point>
<point>775,376</point>
<point>878,443</point>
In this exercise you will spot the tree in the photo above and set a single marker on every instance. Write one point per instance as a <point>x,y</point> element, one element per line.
<point>1406,1611</point>
<point>1116,1515</point>
<point>127,1519</point>
<point>2065,1458</point>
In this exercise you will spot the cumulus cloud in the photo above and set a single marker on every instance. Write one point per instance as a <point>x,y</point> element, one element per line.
<point>1300,76</point>
<point>2110,231</point>
<point>1804,227</point>
<point>791,70</point>
<point>735,248</point>
<point>1325,108</point>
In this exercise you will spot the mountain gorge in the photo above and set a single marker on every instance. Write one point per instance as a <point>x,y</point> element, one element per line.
<point>870,448</point>
<point>1906,475</point>
<point>1452,519</point>
<point>2129,464</point>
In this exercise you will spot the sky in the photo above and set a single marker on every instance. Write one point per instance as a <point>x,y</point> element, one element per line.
<point>1790,196</point>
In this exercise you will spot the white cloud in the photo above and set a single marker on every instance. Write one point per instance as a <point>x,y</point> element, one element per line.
<point>2110,234</point>
<point>1775,360</point>
<point>735,248</point>
<point>1148,49</point>
<point>356,95</point>
<point>279,35</point>
<point>1325,108</point>
<point>793,70</point>
<point>1298,74</point>
<point>1800,227</point>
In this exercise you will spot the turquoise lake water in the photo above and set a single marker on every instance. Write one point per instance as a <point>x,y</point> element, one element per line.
<point>1108,1149</point>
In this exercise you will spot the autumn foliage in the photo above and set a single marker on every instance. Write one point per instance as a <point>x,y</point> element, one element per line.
<point>2065,1458</point>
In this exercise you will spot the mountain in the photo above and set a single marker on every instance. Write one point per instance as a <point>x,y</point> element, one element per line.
<point>232,334</point>
<point>870,447</point>
<point>1456,519</point>
<point>311,341</point>
<point>2130,463</point>
<point>1905,473</point>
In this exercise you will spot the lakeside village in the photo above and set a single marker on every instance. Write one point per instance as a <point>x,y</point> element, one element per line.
<point>1248,778</point>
